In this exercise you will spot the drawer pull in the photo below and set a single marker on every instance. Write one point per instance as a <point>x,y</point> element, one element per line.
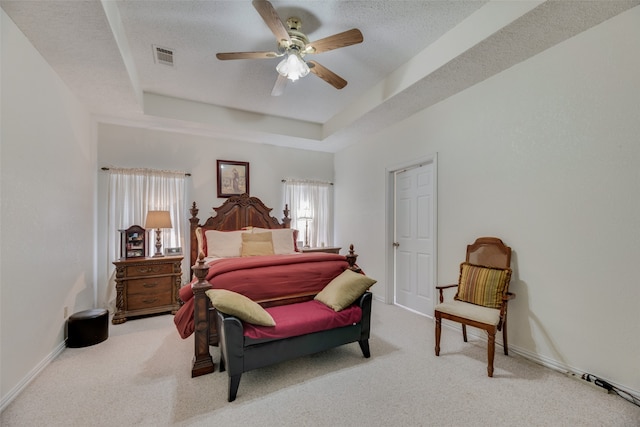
<point>150,301</point>
<point>148,269</point>
<point>150,285</point>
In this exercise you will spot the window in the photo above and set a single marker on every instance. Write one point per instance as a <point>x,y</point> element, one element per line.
<point>133,192</point>
<point>311,211</point>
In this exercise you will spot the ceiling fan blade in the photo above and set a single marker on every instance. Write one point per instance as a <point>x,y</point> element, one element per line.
<point>344,39</point>
<point>247,55</point>
<point>271,18</point>
<point>278,88</point>
<point>327,75</point>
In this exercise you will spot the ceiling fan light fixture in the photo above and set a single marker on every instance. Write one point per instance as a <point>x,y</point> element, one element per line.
<point>295,45</point>
<point>293,67</point>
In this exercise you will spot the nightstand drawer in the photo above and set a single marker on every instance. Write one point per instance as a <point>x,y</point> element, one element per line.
<point>142,301</point>
<point>148,270</point>
<point>149,286</point>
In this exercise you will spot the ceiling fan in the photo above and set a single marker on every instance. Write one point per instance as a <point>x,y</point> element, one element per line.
<point>294,46</point>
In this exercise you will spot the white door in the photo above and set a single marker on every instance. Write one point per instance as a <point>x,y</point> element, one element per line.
<point>414,238</point>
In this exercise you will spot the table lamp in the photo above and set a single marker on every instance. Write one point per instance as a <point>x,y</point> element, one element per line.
<point>158,220</point>
<point>306,217</point>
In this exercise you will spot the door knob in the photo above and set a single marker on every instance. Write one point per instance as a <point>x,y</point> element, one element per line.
<point>396,244</point>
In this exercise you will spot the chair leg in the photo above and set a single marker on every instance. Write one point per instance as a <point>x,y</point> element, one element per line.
<point>491,351</point>
<point>438,330</point>
<point>504,338</point>
<point>464,332</point>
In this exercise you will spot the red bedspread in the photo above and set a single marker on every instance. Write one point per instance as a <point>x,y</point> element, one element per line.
<point>264,277</point>
<point>301,319</point>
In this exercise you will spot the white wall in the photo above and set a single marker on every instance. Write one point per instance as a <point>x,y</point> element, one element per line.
<point>47,215</point>
<point>125,146</point>
<point>544,155</point>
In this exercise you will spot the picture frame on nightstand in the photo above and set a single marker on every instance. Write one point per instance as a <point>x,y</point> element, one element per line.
<point>133,242</point>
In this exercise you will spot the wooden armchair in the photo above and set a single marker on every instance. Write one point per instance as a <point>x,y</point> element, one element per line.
<point>482,296</point>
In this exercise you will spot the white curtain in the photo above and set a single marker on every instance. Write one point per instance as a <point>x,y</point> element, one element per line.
<point>133,192</point>
<point>314,200</point>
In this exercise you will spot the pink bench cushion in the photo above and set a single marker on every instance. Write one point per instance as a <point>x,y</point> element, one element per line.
<point>300,319</point>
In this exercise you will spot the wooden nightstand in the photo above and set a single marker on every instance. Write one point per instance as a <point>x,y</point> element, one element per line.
<point>147,286</point>
<point>327,249</point>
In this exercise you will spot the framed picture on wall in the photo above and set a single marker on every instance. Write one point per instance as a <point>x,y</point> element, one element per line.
<point>233,178</point>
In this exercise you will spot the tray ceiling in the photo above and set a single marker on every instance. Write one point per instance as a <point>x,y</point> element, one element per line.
<point>414,54</point>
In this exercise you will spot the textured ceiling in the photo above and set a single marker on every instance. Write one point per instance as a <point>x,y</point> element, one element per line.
<point>414,54</point>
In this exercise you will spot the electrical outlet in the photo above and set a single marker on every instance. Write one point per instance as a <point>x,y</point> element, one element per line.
<point>66,312</point>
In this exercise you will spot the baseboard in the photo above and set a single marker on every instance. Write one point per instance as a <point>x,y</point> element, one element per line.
<point>379,298</point>
<point>14,392</point>
<point>537,358</point>
<point>566,369</point>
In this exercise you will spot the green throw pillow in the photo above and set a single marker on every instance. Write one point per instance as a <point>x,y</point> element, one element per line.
<point>342,291</point>
<point>238,305</point>
<point>482,285</point>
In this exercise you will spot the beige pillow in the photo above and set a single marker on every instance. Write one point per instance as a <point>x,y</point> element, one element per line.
<point>257,237</point>
<point>283,242</point>
<point>342,291</point>
<point>254,244</point>
<point>238,305</point>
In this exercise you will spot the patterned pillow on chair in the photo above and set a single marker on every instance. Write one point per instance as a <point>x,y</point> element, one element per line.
<point>482,285</point>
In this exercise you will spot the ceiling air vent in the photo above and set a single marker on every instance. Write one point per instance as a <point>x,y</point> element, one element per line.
<point>163,55</point>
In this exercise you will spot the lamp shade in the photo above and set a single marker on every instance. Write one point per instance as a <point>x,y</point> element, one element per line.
<point>305,214</point>
<point>158,219</point>
<point>293,67</point>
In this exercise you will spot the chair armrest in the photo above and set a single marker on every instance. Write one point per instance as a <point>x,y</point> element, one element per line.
<point>503,309</point>
<point>441,287</point>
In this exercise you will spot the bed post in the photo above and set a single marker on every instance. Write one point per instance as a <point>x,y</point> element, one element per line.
<point>193,242</point>
<point>202,360</point>
<point>286,221</point>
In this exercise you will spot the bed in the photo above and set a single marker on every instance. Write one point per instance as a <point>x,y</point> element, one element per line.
<point>277,277</point>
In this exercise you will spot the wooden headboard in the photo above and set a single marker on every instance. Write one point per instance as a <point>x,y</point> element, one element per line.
<point>234,214</point>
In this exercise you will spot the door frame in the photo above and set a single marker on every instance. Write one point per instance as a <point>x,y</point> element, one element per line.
<point>390,219</point>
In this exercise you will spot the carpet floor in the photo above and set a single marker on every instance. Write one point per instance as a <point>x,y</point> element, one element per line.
<point>140,376</point>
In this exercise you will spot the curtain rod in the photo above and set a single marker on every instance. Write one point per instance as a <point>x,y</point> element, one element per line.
<point>106,169</point>
<point>306,181</point>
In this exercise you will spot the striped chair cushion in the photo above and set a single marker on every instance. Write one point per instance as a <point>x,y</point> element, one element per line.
<point>482,285</point>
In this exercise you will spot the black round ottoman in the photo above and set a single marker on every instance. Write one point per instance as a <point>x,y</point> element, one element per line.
<point>87,327</point>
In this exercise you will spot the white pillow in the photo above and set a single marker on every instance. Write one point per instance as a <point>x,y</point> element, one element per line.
<point>282,239</point>
<point>224,244</point>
